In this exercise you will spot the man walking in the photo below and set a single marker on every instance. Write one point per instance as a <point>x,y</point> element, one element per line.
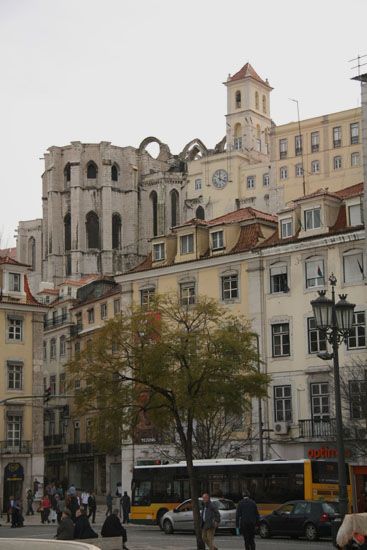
<point>92,506</point>
<point>247,517</point>
<point>125,505</point>
<point>210,519</point>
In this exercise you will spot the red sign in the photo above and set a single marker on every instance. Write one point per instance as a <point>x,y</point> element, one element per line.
<point>325,452</point>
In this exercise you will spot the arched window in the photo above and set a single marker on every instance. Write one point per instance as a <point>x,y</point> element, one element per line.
<point>116,232</point>
<point>91,171</point>
<point>174,208</point>
<point>154,200</point>
<point>67,174</point>
<point>32,252</point>
<point>92,230</point>
<point>200,213</point>
<point>238,99</point>
<point>67,232</point>
<point>264,103</point>
<point>114,173</point>
<point>257,100</point>
<point>237,141</point>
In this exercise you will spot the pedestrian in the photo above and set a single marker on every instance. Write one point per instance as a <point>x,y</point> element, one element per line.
<point>84,500</point>
<point>72,504</point>
<point>92,506</point>
<point>112,527</point>
<point>16,514</point>
<point>45,507</point>
<point>61,507</point>
<point>82,528</point>
<point>65,530</point>
<point>72,490</point>
<point>125,504</point>
<point>54,507</point>
<point>109,502</point>
<point>30,497</point>
<point>210,519</point>
<point>247,517</point>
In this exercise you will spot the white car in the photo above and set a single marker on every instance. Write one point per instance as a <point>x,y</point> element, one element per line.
<point>181,518</point>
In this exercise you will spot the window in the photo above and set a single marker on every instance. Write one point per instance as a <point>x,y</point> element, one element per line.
<point>355,159</point>
<point>355,214</point>
<point>316,338</point>
<point>14,429</point>
<point>53,384</point>
<point>237,143</point>
<point>116,306</point>
<point>116,231</point>
<point>217,240</point>
<point>32,253</point>
<point>282,403</point>
<point>92,230</point>
<point>187,293</point>
<point>286,227</point>
<point>320,402</point>
<point>298,145</point>
<point>312,219</point>
<point>76,432</point>
<point>14,282</point>
<point>175,200</point>
<point>250,182</point>
<point>337,136</point>
<point>90,315</point>
<point>315,273</point>
<point>146,296</point>
<point>154,202</point>
<point>62,346</point>
<point>299,170</point>
<point>283,173</point>
<point>114,173</point>
<point>77,348</point>
<point>315,167</point>
<point>278,279</point>
<point>238,99</point>
<point>283,148</point>
<point>67,173</point>
<point>158,252</point>
<point>15,329</point>
<point>103,311</point>
<point>266,180</point>
<point>354,133</point>
<point>53,348</point>
<point>315,142</point>
<point>280,340</point>
<point>64,313</point>
<point>197,184</point>
<point>353,266</point>
<point>357,338</point>
<point>229,287</point>
<point>337,163</point>
<point>67,232</point>
<point>62,383</point>
<point>257,106</point>
<point>15,376</point>
<point>264,103</point>
<point>187,244</point>
<point>91,171</point>
<point>200,213</point>
<point>358,399</point>
<point>45,351</point>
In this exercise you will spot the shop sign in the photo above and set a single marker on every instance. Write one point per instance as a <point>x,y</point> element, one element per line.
<point>14,471</point>
<point>326,452</point>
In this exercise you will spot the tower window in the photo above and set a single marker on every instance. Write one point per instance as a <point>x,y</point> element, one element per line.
<point>67,232</point>
<point>154,201</point>
<point>116,232</point>
<point>114,173</point>
<point>200,213</point>
<point>257,100</point>
<point>264,103</point>
<point>174,208</point>
<point>32,253</point>
<point>92,229</point>
<point>91,171</point>
<point>238,99</point>
<point>237,142</point>
<point>67,173</point>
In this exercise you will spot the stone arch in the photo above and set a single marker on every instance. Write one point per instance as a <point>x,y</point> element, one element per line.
<point>164,150</point>
<point>194,149</point>
<point>67,232</point>
<point>116,231</point>
<point>92,230</point>
<point>175,207</point>
<point>92,170</point>
<point>32,253</point>
<point>221,145</point>
<point>154,203</point>
<point>115,172</point>
<point>200,213</point>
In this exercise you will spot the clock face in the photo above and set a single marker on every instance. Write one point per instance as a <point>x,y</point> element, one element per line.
<point>220,179</point>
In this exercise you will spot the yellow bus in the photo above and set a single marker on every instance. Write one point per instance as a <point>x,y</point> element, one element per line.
<point>159,488</point>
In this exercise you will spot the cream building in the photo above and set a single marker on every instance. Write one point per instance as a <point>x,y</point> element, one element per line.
<point>21,390</point>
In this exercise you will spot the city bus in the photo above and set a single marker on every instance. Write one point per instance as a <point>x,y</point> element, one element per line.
<point>159,488</point>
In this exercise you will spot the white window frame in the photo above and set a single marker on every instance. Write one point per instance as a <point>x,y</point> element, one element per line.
<point>14,428</point>
<point>278,278</point>
<point>320,401</point>
<point>237,143</point>
<point>355,159</point>
<point>15,282</point>
<point>104,310</point>
<point>354,135</point>
<point>266,180</point>
<point>354,272</point>
<point>312,218</point>
<point>315,141</point>
<point>187,244</point>
<point>358,218</point>
<point>251,182</point>
<point>15,329</point>
<point>188,293</point>
<point>198,184</point>
<point>357,399</point>
<point>232,292</point>
<point>116,306</point>
<point>337,162</point>
<point>337,136</point>
<point>319,337</point>
<point>299,170</point>
<point>90,316</point>
<point>298,144</point>
<point>283,172</point>
<point>53,348</point>
<point>283,148</point>
<point>279,339</point>
<point>158,252</point>
<point>314,263</point>
<point>62,346</point>
<point>146,295</point>
<point>14,376</point>
<point>358,332</point>
<point>315,167</point>
<point>286,228</point>
<point>282,394</point>
<point>217,238</point>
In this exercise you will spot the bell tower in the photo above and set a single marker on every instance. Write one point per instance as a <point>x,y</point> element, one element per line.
<point>248,111</point>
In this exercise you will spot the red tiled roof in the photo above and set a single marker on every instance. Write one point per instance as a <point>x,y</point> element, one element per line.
<point>247,71</point>
<point>318,193</point>
<point>11,252</point>
<point>10,261</point>
<point>248,238</point>
<point>29,296</point>
<point>49,291</point>
<point>82,281</point>
<point>243,214</point>
<point>352,191</point>
<point>341,220</point>
<point>146,264</point>
<point>193,221</point>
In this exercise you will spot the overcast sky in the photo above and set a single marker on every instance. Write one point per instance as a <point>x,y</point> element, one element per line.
<point>120,70</point>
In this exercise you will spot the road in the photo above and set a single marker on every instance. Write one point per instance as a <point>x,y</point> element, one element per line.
<point>151,538</point>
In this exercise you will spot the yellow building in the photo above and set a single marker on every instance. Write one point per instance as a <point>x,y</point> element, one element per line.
<point>21,389</point>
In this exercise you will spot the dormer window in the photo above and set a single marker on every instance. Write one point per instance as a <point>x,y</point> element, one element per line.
<point>355,214</point>
<point>217,240</point>
<point>187,244</point>
<point>158,252</point>
<point>286,228</point>
<point>14,282</point>
<point>312,218</point>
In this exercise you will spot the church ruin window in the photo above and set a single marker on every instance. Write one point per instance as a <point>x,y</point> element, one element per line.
<point>32,253</point>
<point>238,99</point>
<point>116,232</point>
<point>154,201</point>
<point>91,171</point>
<point>67,232</point>
<point>114,173</point>
<point>92,229</point>
<point>256,100</point>
<point>200,213</point>
<point>67,174</point>
<point>174,208</point>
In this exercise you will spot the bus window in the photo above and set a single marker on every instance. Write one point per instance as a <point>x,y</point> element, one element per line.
<point>326,472</point>
<point>142,493</point>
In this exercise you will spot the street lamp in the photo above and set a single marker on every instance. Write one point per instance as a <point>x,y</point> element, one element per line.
<point>335,320</point>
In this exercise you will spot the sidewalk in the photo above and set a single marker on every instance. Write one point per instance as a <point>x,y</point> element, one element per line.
<point>36,519</point>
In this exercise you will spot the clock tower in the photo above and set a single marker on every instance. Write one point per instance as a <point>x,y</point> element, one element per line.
<point>248,111</point>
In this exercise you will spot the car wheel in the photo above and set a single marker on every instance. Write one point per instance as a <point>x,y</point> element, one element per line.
<point>160,515</point>
<point>264,531</point>
<point>310,532</point>
<point>167,527</point>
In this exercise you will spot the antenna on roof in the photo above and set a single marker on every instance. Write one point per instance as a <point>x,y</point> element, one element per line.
<point>301,143</point>
<point>359,64</point>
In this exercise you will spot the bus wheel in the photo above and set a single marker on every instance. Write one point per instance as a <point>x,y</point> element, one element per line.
<point>310,532</point>
<point>264,531</point>
<point>160,515</point>
<point>167,527</point>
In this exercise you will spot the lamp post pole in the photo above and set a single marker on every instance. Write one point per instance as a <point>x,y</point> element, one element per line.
<point>260,411</point>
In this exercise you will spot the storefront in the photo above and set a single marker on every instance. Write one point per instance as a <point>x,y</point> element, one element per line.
<point>13,482</point>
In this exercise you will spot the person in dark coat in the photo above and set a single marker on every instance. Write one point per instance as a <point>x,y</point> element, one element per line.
<point>73,505</point>
<point>247,517</point>
<point>92,507</point>
<point>65,530</point>
<point>125,505</point>
<point>82,529</point>
<point>210,519</point>
<point>112,527</point>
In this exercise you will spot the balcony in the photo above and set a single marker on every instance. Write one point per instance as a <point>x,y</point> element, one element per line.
<point>337,143</point>
<point>326,429</point>
<point>315,148</point>
<point>15,447</point>
<point>56,321</point>
<point>354,140</point>
<point>298,151</point>
<point>80,449</point>
<point>283,154</point>
<point>53,440</point>
<point>76,329</point>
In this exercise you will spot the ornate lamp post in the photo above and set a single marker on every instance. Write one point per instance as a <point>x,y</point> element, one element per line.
<point>335,320</point>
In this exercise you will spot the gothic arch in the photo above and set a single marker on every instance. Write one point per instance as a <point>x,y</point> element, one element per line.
<point>200,213</point>
<point>115,172</point>
<point>116,231</point>
<point>92,170</point>
<point>154,204</point>
<point>92,230</point>
<point>175,207</point>
<point>164,150</point>
<point>194,149</point>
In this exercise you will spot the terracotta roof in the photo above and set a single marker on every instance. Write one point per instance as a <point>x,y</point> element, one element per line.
<point>146,264</point>
<point>29,296</point>
<point>319,193</point>
<point>248,238</point>
<point>241,215</point>
<point>193,221</point>
<point>341,220</point>
<point>82,281</point>
<point>10,261</point>
<point>11,252</point>
<point>49,291</point>
<point>81,303</point>
<point>246,72</point>
<point>352,191</point>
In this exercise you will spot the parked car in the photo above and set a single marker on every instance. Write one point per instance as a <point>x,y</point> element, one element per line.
<point>300,518</point>
<point>182,519</point>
